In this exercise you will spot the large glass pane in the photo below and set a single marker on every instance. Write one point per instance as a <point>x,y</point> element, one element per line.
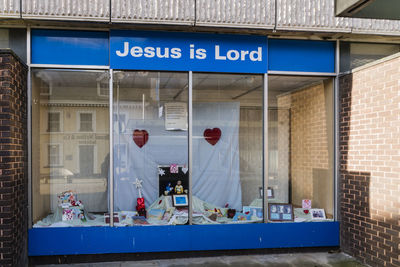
<point>69,166</point>
<point>150,148</point>
<point>300,148</point>
<point>227,148</point>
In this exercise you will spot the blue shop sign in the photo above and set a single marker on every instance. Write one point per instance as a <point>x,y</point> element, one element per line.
<point>301,55</point>
<point>67,47</point>
<point>143,50</point>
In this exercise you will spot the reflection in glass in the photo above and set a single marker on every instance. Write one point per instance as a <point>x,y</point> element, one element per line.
<point>227,148</point>
<point>150,148</point>
<point>69,149</point>
<point>300,143</point>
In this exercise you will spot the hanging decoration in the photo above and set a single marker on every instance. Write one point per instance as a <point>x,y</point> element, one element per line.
<point>140,137</point>
<point>173,168</point>
<point>212,136</point>
<point>185,169</point>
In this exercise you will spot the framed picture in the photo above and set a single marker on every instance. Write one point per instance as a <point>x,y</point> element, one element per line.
<point>270,192</point>
<point>180,200</point>
<point>280,212</point>
<point>317,214</point>
<point>306,204</point>
<point>255,213</point>
<point>168,179</point>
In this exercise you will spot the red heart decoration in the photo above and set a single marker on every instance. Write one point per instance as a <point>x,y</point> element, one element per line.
<point>140,137</point>
<point>212,136</point>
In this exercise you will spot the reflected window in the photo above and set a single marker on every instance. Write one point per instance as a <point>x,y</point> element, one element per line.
<point>85,122</point>
<point>54,155</point>
<point>54,122</point>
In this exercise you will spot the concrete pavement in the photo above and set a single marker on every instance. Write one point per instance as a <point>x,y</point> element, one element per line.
<point>315,259</point>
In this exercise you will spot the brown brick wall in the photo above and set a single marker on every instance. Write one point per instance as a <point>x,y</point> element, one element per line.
<point>370,163</point>
<point>13,161</point>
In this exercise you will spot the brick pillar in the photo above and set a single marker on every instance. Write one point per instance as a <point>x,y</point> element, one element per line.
<point>370,163</point>
<point>13,160</point>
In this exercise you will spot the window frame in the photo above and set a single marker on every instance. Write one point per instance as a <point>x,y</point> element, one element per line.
<point>79,121</point>
<point>60,122</point>
<point>60,155</point>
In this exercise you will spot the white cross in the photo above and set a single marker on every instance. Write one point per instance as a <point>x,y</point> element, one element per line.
<point>138,184</point>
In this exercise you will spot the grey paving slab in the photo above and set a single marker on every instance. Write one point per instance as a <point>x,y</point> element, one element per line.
<point>319,259</point>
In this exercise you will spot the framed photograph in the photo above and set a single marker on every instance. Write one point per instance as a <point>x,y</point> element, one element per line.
<point>270,192</point>
<point>280,212</point>
<point>317,214</point>
<point>180,200</point>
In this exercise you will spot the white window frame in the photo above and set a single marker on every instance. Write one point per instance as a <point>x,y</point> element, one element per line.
<point>60,154</point>
<point>99,88</point>
<point>78,120</point>
<point>61,121</point>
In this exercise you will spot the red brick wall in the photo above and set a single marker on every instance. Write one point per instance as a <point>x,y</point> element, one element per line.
<point>370,163</point>
<point>13,161</point>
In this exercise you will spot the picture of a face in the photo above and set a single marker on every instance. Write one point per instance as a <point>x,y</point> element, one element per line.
<point>273,208</point>
<point>288,209</point>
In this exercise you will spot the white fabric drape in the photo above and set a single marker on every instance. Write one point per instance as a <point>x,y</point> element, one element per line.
<point>215,173</point>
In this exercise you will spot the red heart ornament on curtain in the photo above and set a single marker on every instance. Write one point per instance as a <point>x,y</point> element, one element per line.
<point>212,136</point>
<point>140,137</point>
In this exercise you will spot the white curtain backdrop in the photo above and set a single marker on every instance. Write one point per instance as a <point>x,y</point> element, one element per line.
<point>216,176</point>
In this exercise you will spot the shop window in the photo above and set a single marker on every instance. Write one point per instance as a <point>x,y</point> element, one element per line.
<point>151,148</point>
<point>300,148</point>
<point>353,55</point>
<point>227,148</point>
<point>70,168</point>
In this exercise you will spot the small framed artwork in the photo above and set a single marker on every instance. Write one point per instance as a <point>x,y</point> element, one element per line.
<point>180,200</point>
<point>270,192</point>
<point>306,204</point>
<point>317,214</point>
<point>278,212</point>
<point>255,213</point>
